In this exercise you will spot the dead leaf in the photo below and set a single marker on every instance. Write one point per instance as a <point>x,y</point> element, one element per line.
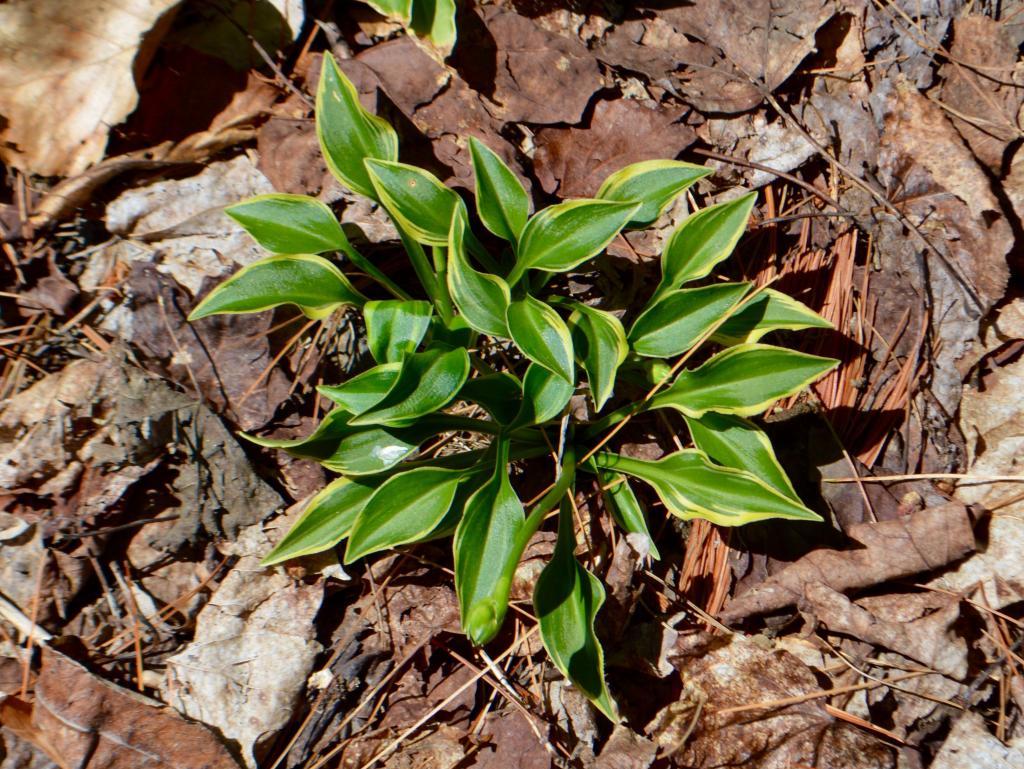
<point>540,77</point>
<point>572,162</point>
<point>970,745</point>
<point>992,421</point>
<point>72,78</point>
<point>181,226</point>
<point>753,138</point>
<point>928,637</point>
<point>883,551</point>
<point>94,724</point>
<point>626,749</point>
<point>438,102</point>
<point>744,673</point>
<point>982,88</point>
<point>253,650</point>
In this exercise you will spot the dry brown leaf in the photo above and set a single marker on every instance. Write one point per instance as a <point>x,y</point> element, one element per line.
<point>438,102</point>
<point>744,673</point>
<point>992,421</point>
<point>922,542</point>
<point>925,635</point>
<point>94,724</point>
<point>540,77</point>
<point>572,162</point>
<point>982,88</point>
<point>72,77</point>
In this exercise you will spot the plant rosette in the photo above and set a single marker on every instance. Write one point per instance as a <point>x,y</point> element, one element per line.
<point>497,329</point>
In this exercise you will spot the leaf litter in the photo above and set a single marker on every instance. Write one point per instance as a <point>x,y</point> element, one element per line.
<point>884,140</point>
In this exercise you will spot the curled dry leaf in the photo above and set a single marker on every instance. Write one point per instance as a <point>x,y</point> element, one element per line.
<point>922,542</point>
<point>929,638</point>
<point>73,78</point>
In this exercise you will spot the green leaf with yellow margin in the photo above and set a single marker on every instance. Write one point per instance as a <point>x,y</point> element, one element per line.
<point>309,282</point>
<point>744,380</point>
<point>567,599</point>
<point>348,134</point>
<point>691,486</point>
<point>290,224</point>
<point>652,183</point>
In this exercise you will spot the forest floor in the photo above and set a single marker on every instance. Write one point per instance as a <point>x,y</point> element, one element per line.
<point>137,629</point>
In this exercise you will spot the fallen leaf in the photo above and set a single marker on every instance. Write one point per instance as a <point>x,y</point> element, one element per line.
<point>253,649</point>
<point>540,77</point>
<point>438,102</point>
<point>992,422</point>
<point>94,724</point>
<point>180,224</point>
<point>982,87</point>
<point>743,673</point>
<point>626,749</point>
<point>928,638</point>
<point>883,551</point>
<point>72,78</point>
<point>572,162</point>
<point>970,745</point>
<point>752,138</point>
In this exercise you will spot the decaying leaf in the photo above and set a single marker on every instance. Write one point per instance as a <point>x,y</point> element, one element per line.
<point>742,673</point>
<point>253,650</point>
<point>970,745</point>
<point>72,78</point>
<point>992,420</point>
<point>572,162</point>
<point>93,724</point>
<point>882,551</point>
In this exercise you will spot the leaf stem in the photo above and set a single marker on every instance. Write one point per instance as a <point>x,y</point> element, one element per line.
<point>566,476</point>
<point>370,269</point>
<point>420,264</point>
<point>444,299</point>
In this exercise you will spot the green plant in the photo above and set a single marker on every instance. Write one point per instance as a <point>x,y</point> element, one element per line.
<point>502,333</point>
<point>430,19</point>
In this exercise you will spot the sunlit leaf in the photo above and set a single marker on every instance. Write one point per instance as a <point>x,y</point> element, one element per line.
<point>326,520</point>
<point>427,382</point>
<point>566,599</point>
<point>435,20</point>
<point>501,201</point>
<point>769,311</point>
<point>545,396</point>
<point>399,10</point>
<point>364,390</point>
<point>415,199</point>
<point>691,486</point>
<point>652,183</point>
<point>395,327</point>
<point>542,336</point>
<point>485,550</point>
<point>481,298</point>
<point>703,240</point>
<point>600,346</point>
<point>737,442</point>
<point>567,234</point>
<point>625,507</point>
<point>309,282</point>
<point>403,509</point>
<point>289,224</point>
<point>674,323</point>
<point>349,134</point>
<point>743,380</point>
